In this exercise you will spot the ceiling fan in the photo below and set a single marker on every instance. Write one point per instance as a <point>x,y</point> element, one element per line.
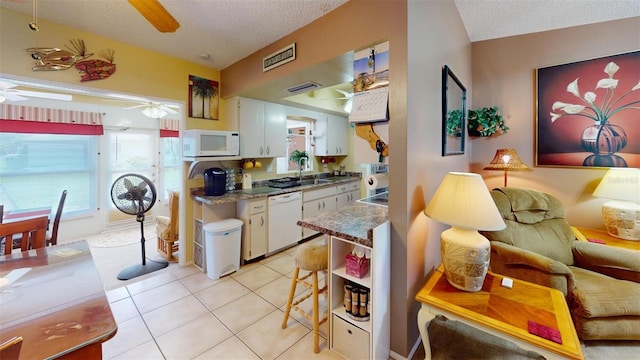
<point>7,92</point>
<point>156,14</point>
<point>155,110</point>
<point>346,96</point>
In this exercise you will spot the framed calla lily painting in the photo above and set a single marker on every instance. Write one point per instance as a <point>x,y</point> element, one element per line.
<point>588,113</point>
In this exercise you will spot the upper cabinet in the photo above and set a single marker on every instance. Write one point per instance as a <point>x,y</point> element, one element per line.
<point>332,133</point>
<point>263,127</point>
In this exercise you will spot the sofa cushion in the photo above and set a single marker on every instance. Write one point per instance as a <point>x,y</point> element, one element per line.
<point>535,221</point>
<point>597,295</point>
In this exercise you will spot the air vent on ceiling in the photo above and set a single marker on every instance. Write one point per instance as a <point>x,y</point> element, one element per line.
<point>306,86</point>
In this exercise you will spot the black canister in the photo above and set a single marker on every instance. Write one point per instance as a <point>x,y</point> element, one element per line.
<point>215,182</point>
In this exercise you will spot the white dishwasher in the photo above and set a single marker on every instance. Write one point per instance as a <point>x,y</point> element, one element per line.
<point>284,212</point>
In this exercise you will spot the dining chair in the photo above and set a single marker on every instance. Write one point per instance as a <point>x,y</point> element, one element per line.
<point>10,349</point>
<point>52,236</point>
<point>32,233</point>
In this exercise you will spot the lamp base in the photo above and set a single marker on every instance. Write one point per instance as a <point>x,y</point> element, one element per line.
<point>465,255</point>
<point>622,219</point>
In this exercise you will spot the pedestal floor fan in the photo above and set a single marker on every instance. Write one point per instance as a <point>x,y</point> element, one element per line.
<point>135,195</point>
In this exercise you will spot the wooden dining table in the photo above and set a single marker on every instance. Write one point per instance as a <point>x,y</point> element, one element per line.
<point>54,298</point>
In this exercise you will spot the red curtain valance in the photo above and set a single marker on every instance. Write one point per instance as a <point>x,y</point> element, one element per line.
<point>37,120</point>
<point>169,127</point>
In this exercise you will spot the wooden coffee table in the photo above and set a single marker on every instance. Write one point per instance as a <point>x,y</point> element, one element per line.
<point>503,312</point>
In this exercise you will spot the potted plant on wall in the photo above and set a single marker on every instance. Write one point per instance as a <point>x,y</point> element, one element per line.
<point>485,122</point>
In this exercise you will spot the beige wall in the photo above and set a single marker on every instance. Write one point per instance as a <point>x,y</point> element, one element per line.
<point>437,37</point>
<point>504,75</point>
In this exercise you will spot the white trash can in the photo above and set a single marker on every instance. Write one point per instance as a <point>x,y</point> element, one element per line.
<point>222,247</point>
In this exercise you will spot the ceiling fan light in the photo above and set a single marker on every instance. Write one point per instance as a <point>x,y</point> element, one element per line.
<point>2,99</point>
<point>154,112</point>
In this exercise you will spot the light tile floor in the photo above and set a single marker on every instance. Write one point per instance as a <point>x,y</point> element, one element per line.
<point>182,314</point>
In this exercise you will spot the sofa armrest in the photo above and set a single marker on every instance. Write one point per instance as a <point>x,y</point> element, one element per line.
<point>620,263</point>
<point>523,264</point>
<point>512,255</point>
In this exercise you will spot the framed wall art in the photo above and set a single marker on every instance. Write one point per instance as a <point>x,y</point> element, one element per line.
<point>204,100</point>
<point>588,113</point>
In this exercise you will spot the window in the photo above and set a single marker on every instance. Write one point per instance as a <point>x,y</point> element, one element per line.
<point>170,166</point>
<point>298,138</point>
<point>36,168</point>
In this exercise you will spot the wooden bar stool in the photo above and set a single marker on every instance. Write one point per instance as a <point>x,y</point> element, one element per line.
<point>312,258</point>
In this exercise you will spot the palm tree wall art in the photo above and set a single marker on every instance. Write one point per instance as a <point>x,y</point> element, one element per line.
<point>203,98</point>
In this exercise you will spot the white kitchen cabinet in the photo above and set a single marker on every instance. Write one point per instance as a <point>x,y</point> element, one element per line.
<point>347,193</point>
<point>253,214</point>
<point>315,202</point>
<point>332,134</point>
<point>262,127</point>
<point>351,338</point>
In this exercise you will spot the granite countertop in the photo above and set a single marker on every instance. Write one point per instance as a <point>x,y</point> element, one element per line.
<point>263,192</point>
<point>354,222</point>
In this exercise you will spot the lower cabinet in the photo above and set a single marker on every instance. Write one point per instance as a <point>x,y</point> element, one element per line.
<point>315,202</point>
<point>360,319</point>
<point>253,214</point>
<point>347,193</point>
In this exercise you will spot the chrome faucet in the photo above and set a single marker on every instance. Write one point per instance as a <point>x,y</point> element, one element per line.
<point>300,168</point>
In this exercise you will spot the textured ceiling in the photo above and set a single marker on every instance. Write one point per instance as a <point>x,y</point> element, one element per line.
<point>491,19</point>
<point>230,30</point>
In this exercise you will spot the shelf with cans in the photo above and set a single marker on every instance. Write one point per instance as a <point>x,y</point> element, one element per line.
<point>351,282</point>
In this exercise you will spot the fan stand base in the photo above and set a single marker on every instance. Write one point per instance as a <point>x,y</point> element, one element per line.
<point>138,270</point>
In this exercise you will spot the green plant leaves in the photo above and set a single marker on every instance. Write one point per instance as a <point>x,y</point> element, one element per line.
<point>485,122</point>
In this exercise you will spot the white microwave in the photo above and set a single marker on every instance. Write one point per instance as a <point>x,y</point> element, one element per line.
<point>196,143</point>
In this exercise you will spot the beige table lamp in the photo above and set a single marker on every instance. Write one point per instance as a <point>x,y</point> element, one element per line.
<point>463,201</point>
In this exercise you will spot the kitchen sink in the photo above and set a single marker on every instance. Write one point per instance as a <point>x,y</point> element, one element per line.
<point>315,182</point>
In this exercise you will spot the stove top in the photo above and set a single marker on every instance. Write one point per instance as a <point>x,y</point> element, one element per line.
<point>285,182</point>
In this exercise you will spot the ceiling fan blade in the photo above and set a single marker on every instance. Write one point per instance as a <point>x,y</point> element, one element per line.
<point>135,107</point>
<point>347,95</point>
<point>44,95</point>
<point>5,85</point>
<point>168,109</point>
<point>156,14</point>
<point>11,96</point>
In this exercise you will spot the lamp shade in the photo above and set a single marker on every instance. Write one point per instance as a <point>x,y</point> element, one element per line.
<point>463,200</point>
<point>620,184</point>
<point>507,159</point>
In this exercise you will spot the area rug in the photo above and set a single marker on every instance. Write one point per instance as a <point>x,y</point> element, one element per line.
<point>122,237</point>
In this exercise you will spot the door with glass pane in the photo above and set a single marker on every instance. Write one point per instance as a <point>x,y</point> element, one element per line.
<point>129,151</point>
